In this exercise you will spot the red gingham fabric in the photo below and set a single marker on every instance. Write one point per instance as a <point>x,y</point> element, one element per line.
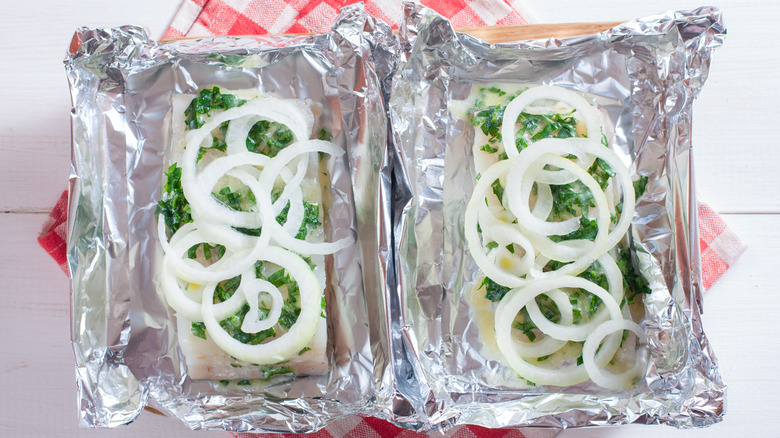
<point>369,427</point>
<point>258,17</point>
<point>719,246</point>
<point>54,232</point>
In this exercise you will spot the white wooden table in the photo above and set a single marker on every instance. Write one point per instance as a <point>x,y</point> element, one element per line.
<point>737,147</point>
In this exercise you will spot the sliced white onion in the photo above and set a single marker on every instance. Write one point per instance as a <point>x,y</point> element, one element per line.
<point>251,287</point>
<point>547,345</point>
<point>289,343</point>
<point>214,273</point>
<point>544,202</point>
<point>584,111</point>
<point>506,234</point>
<point>269,176</point>
<point>188,307</point>
<point>271,109</point>
<point>507,310</point>
<point>582,254</point>
<point>569,332</point>
<point>496,274</point>
<point>541,164</point>
<point>623,380</point>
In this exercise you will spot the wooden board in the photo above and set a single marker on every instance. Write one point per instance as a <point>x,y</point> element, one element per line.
<point>505,34</point>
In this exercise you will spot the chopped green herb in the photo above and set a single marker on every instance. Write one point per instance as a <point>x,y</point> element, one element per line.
<point>324,135</point>
<point>573,199</point>
<point>639,186</point>
<point>633,282</point>
<point>311,218</point>
<point>489,120</point>
<point>232,325</point>
<point>268,138</point>
<point>225,289</point>
<point>493,291</point>
<point>199,329</point>
<point>527,327</point>
<point>174,206</point>
<point>491,245</point>
<point>498,190</point>
<point>243,382</point>
<point>601,172</point>
<point>217,142</point>
<point>207,100</point>
<point>588,230</point>
<point>228,197</point>
<point>489,149</point>
<point>543,358</point>
<point>548,308</point>
<point>269,371</point>
<point>552,125</point>
<point>304,350</point>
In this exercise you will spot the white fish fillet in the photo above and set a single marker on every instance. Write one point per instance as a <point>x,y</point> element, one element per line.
<point>207,361</point>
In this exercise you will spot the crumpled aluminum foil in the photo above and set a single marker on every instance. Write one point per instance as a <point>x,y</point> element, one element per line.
<point>123,332</point>
<point>644,75</point>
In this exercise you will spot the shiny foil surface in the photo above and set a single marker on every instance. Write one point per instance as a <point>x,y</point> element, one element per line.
<point>124,333</point>
<point>643,76</point>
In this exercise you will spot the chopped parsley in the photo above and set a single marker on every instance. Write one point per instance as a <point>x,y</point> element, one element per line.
<point>639,186</point>
<point>601,172</point>
<point>498,190</point>
<point>311,217</point>
<point>269,371</point>
<point>208,99</point>
<point>587,231</point>
<point>217,141</point>
<point>173,205</point>
<point>232,325</point>
<point>199,329</point>
<point>572,199</point>
<point>527,327</point>
<point>633,282</point>
<point>493,291</point>
<point>291,308</point>
<point>231,199</point>
<point>268,138</point>
<point>535,127</point>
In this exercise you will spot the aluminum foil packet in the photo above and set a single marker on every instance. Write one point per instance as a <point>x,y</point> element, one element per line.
<point>124,91</point>
<point>642,77</point>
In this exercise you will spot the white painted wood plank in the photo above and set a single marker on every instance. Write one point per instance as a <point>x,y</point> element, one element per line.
<point>735,144</point>
<point>34,119</point>
<point>740,321</point>
<point>37,366</point>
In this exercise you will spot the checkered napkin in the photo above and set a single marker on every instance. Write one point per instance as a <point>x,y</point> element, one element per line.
<point>719,246</point>
<point>257,17</point>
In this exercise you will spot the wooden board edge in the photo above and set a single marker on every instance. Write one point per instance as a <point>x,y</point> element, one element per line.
<point>509,33</point>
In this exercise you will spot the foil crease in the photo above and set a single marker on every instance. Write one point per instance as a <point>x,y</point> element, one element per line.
<point>123,332</point>
<point>644,75</point>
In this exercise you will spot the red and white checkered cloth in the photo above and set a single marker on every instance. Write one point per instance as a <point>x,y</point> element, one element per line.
<point>258,17</point>
<point>719,246</point>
